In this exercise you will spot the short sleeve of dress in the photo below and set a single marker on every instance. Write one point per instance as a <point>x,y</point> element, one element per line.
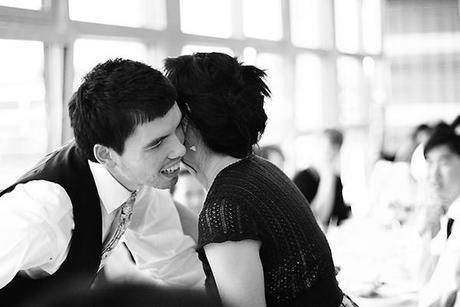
<point>225,220</point>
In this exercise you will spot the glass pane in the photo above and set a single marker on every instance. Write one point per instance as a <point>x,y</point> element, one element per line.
<point>23,135</point>
<point>90,52</point>
<point>190,49</point>
<point>23,4</point>
<point>350,81</point>
<point>277,108</point>
<point>311,23</point>
<point>372,26</point>
<point>308,92</point>
<point>266,25</point>
<point>206,17</point>
<point>132,13</point>
<point>348,25</point>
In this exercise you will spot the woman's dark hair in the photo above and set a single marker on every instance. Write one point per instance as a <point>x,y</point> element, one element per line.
<point>223,99</point>
<point>114,98</point>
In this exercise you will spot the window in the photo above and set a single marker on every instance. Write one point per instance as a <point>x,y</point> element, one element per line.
<point>348,25</point>
<point>190,49</point>
<point>262,23</point>
<point>23,134</point>
<point>206,17</point>
<point>90,52</point>
<point>23,4</point>
<point>311,23</point>
<point>278,111</point>
<point>132,13</point>
<point>350,80</point>
<point>308,92</point>
<point>306,153</point>
<point>372,28</point>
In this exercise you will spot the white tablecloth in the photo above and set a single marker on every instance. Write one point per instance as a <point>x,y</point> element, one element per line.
<point>378,264</point>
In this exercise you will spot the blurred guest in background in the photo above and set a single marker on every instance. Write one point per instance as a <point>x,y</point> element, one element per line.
<point>321,184</point>
<point>258,240</point>
<point>442,152</point>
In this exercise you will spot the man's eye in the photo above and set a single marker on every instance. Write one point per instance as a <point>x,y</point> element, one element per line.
<point>156,145</point>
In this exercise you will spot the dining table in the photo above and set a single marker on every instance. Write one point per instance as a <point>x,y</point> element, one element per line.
<point>377,263</point>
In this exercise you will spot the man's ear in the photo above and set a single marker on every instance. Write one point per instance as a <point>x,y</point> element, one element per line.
<point>103,155</point>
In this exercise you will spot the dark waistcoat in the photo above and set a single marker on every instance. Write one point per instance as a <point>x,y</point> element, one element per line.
<point>67,168</point>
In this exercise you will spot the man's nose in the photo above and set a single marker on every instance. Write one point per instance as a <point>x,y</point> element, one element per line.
<point>179,148</point>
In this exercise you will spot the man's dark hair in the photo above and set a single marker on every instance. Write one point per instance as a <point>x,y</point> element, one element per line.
<point>114,98</point>
<point>223,99</point>
<point>443,135</point>
<point>334,136</point>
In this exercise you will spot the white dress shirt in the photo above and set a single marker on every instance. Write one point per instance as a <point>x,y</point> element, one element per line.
<point>37,222</point>
<point>446,276</point>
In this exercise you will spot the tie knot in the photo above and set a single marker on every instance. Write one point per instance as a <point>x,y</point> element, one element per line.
<point>127,207</point>
<point>131,199</point>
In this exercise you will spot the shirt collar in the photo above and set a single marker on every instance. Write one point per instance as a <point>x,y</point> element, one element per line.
<point>454,209</point>
<point>111,192</point>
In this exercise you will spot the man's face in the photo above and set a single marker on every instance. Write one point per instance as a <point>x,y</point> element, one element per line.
<point>444,172</point>
<point>152,153</point>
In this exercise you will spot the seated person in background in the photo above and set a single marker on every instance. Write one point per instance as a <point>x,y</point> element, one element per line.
<point>259,242</point>
<point>189,192</point>
<point>321,185</point>
<point>442,152</point>
<point>62,220</point>
<point>271,153</point>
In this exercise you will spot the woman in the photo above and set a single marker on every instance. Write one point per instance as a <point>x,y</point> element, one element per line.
<point>258,240</point>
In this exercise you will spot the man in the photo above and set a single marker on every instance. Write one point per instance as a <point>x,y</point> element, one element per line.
<point>321,185</point>
<point>62,220</point>
<point>442,152</point>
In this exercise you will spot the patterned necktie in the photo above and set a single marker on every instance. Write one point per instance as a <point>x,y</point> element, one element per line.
<point>122,219</point>
<point>450,223</point>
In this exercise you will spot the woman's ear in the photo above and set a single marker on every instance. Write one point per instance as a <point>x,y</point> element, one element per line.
<point>192,139</point>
